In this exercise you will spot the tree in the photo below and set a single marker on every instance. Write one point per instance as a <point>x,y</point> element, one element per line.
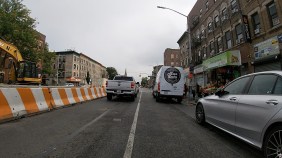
<point>112,72</point>
<point>17,27</point>
<point>48,59</point>
<point>144,81</point>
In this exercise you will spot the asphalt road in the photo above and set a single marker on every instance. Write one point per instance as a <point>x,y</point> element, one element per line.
<point>119,128</point>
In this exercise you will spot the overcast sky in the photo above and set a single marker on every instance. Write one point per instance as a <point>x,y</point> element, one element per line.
<point>125,34</point>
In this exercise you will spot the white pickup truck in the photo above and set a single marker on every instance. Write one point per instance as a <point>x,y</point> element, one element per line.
<point>121,86</point>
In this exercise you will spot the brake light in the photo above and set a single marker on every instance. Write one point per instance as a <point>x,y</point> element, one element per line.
<point>132,84</point>
<point>106,83</point>
<point>159,86</point>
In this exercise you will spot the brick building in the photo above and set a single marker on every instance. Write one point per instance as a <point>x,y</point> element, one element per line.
<point>230,38</point>
<point>172,57</point>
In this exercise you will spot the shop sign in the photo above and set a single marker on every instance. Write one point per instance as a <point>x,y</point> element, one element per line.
<point>224,59</point>
<point>266,48</point>
<point>198,69</point>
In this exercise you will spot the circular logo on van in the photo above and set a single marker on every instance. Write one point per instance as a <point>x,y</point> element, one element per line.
<point>172,75</point>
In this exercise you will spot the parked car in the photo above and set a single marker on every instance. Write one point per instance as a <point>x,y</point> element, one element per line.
<point>249,108</point>
<point>169,83</point>
<point>69,84</point>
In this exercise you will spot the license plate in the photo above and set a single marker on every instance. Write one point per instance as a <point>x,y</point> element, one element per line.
<point>165,93</point>
<point>118,91</point>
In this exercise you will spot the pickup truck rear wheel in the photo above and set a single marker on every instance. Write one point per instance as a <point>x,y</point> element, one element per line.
<point>109,96</point>
<point>132,98</point>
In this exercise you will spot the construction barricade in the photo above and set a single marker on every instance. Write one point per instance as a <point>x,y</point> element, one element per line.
<point>18,102</point>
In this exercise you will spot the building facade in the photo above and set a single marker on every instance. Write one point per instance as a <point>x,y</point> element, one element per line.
<point>172,57</point>
<point>230,38</point>
<point>73,67</point>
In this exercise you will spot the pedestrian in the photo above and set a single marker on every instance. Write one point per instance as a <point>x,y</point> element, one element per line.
<point>193,92</point>
<point>185,90</point>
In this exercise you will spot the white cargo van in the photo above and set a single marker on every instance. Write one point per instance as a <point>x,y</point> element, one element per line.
<point>169,83</point>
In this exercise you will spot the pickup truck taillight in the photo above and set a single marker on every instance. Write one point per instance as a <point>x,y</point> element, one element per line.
<point>106,83</point>
<point>159,86</point>
<point>132,84</point>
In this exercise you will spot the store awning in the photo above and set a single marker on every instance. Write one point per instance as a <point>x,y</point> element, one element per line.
<point>73,79</point>
<point>223,59</point>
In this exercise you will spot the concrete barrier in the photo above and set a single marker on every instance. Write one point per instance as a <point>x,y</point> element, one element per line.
<point>17,102</point>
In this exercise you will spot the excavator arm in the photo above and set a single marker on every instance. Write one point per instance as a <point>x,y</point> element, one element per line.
<point>26,71</point>
<point>11,50</point>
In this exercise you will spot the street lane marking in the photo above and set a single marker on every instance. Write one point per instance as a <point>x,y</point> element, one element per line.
<point>88,124</point>
<point>130,142</point>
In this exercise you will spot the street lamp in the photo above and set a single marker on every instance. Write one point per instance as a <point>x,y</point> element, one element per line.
<point>188,28</point>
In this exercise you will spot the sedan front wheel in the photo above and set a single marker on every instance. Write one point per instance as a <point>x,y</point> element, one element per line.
<point>200,114</point>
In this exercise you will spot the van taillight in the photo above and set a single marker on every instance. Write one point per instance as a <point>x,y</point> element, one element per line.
<point>159,86</point>
<point>106,83</point>
<point>132,84</point>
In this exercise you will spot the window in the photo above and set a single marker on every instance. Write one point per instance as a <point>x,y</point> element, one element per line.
<point>74,74</point>
<point>273,16</point>
<point>201,10</point>
<point>219,44</point>
<point>211,48</point>
<point>74,66</point>
<point>278,87</point>
<point>256,23</point>
<point>234,6</point>
<point>204,53</point>
<point>239,34</point>
<point>172,56</point>
<point>74,58</point>
<point>237,87</point>
<point>203,34</point>
<point>216,21</point>
<point>224,14</point>
<point>263,84</point>
<point>199,55</point>
<point>228,39</point>
<point>172,63</point>
<point>210,27</point>
<point>176,56</point>
<point>207,5</point>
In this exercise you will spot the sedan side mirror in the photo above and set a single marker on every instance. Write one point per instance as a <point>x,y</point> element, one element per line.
<point>220,92</point>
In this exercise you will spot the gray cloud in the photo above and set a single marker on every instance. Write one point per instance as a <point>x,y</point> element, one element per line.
<point>125,34</point>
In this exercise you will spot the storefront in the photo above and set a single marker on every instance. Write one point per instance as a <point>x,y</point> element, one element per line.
<point>200,77</point>
<point>267,55</point>
<point>222,68</point>
<point>73,80</point>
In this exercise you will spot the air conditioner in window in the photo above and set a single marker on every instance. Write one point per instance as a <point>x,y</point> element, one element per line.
<point>257,31</point>
<point>234,10</point>
<point>276,21</point>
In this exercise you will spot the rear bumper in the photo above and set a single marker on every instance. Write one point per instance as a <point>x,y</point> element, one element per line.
<point>121,92</point>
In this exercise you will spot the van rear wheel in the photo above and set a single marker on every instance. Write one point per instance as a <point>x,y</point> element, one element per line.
<point>179,100</point>
<point>158,99</point>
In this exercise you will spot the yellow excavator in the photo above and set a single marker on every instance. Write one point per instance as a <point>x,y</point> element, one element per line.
<point>14,68</point>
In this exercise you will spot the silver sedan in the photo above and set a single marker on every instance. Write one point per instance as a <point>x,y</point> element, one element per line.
<point>249,108</point>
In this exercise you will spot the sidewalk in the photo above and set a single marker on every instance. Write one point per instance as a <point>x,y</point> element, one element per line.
<point>189,101</point>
